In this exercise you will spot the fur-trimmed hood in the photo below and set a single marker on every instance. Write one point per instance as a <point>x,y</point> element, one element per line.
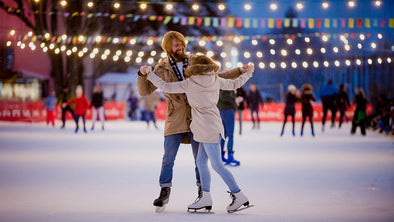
<point>202,70</point>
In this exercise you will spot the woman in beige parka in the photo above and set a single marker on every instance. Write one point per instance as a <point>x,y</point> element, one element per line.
<point>202,90</point>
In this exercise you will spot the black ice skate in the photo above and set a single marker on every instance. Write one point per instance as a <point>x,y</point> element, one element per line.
<point>163,199</point>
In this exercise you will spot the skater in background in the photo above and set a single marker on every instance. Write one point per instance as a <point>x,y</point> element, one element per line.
<point>63,98</point>
<point>81,106</point>
<point>328,96</point>
<point>202,90</point>
<point>50,103</point>
<point>241,99</point>
<point>307,109</point>
<point>360,114</point>
<point>133,105</point>
<point>227,107</point>
<point>97,106</point>
<point>343,103</point>
<point>177,125</point>
<point>151,102</point>
<point>291,97</point>
<point>254,99</point>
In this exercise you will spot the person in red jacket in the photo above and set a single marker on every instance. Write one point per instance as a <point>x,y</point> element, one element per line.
<point>81,106</point>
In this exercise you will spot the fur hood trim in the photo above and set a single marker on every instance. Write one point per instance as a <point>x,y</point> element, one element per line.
<point>201,69</point>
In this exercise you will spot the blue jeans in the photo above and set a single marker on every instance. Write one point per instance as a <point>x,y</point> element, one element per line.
<point>211,151</point>
<point>171,146</point>
<point>228,119</point>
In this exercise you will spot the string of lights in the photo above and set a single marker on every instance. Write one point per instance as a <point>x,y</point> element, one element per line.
<point>143,5</point>
<point>264,57</point>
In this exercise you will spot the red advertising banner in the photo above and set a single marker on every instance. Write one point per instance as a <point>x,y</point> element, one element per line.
<point>31,111</point>
<point>274,112</point>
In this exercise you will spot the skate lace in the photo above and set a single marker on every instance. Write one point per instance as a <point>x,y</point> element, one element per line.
<point>163,193</point>
<point>232,196</point>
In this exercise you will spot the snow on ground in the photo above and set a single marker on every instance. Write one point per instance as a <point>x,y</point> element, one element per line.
<point>49,174</point>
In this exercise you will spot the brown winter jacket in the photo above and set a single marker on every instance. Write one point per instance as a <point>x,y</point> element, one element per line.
<point>178,109</point>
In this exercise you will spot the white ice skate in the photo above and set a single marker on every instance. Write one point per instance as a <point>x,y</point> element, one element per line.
<point>240,202</point>
<point>204,202</point>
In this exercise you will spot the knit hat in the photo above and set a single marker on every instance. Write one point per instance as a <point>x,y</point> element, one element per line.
<point>291,88</point>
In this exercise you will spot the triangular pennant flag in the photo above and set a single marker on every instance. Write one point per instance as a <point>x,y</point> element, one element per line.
<point>391,23</point>
<point>152,18</point>
<point>294,23</point>
<point>160,18</point>
<point>230,22</point>
<point>375,23</point>
<point>342,22</point>
<point>113,16</point>
<point>183,20</point>
<point>287,22</point>
<point>271,23</point>
<point>311,23</point>
<point>223,22</point>
<point>303,23</point>
<point>247,22</point>
<point>278,23</point>
<point>74,14</point>
<point>121,18</point>
<point>199,21</point>
<point>318,23</point>
<point>335,23</point>
<point>351,23</point>
<point>90,15</point>
<point>192,20</point>
<point>326,23</point>
<point>383,23</point>
<point>238,23</point>
<point>263,23</point>
<point>359,22</point>
<point>136,17</point>
<point>167,19</point>
<point>207,21</point>
<point>367,23</point>
<point>215,22</point>
<point>176,19</point>
<point>255,23</point>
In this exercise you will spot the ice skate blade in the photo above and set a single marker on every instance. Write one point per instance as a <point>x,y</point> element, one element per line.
<point>200,211</point>
<point>239,209</point>
<point>160,209</point>
<point>232,164</point>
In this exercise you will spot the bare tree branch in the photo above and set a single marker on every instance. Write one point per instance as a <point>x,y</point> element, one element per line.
<point>18,12</point>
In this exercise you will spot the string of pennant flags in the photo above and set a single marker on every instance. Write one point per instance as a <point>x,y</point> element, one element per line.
<point>149,40</point>
<point>236,22</point>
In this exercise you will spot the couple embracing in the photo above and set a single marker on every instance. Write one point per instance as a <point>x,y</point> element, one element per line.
<point>191,85</point>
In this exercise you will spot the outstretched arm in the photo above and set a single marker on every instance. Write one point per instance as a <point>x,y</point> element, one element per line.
<point>168,87</point>
<point>231,84</point>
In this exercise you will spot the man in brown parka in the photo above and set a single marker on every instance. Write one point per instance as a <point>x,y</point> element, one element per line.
<point>178,115</point>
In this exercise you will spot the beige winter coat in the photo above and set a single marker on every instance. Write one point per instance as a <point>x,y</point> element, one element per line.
<point>202,91</point>
<point>178,109</point>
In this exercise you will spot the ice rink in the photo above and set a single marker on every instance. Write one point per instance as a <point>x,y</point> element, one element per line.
<point>54,175</point>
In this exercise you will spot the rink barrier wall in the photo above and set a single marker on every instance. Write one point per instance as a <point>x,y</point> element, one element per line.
<point>31,112</point>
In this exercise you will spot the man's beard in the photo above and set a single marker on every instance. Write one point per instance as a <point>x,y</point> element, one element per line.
<point>179,56</point>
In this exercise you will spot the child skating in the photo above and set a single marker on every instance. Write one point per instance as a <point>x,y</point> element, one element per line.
<point>202,90</point>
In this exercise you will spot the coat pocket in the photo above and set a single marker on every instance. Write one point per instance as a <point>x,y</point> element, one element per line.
<point>170,108</point>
